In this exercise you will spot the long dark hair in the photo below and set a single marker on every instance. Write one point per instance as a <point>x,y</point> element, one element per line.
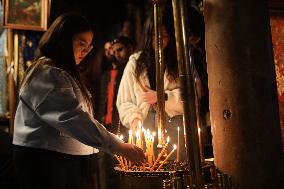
<point>146,60</point>
<point>57,45</point>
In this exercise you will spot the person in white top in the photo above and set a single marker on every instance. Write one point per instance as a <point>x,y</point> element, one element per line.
<point>54,124</point>
<point>137,96</point>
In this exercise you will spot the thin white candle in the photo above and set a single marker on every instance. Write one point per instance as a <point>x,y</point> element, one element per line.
<point>141,134</point>
<point>173,150</point>
<point>159,136</point>
<point>121,137</point>
<point>161,154</point>
<point>117,158</point>
<point>130,140</point>
<point>178,146</point>
<point>153,140</point>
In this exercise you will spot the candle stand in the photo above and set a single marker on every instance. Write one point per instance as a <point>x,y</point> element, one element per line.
<point>170,178</point>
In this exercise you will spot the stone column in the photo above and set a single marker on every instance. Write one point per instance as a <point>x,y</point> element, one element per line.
<point>243,97</point>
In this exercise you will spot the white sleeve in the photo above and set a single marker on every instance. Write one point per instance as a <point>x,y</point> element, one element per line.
<point>126,99</point>
<point>173,106</point>
<point>61,109</point>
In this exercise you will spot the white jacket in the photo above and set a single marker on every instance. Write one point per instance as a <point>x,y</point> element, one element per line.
<point>52,114</point>
<point>130,103</point>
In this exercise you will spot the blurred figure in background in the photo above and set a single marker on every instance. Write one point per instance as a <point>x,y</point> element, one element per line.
<point>108,57</point>
<point>121,48</point>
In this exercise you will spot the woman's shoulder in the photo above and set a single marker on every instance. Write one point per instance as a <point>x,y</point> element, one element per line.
<point>47,64</point>
<point>49,73</point>
<point>131,65</point>
<point>135,56</point>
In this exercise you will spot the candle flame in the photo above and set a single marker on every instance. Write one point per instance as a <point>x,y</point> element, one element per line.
<point>137,134</point>
<point>148,132</point>
<point>168,139</point>
<point>130,132</point>
<point>175,146</point>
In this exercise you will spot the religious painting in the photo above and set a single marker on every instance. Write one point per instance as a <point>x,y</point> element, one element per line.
<point>277,31</point>
<point>26,14</point>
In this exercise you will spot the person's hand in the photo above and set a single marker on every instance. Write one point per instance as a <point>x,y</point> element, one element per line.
<point>150,96</point>
<point>131,152</point>
<point>135,125</point>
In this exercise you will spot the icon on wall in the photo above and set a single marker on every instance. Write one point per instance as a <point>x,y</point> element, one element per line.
<point>26,14</point>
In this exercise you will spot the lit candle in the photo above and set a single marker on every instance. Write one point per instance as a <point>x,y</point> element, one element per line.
<point>178,146</point>
<point>150,140</point>
<point>160,154</point>
<point>121,137</point>
<point>137,139</point>
<point>174,148</point>
<point>141,134</point>
<point>153,140</point>
<point>152,158</point>
<point>159,136</point>
<point>130,139</point>
<point>147,147</point>
<point>144,130</point>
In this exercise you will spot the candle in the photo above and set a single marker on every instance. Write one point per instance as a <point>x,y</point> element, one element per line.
<point>153,140</point>
<point>141,134</point>
<point>159,136</point>
<point>137,139</point>
<point>148,147</point>
<point>178,146</point>
<point>152,151</point>
<point>173,150</point>
<point>117,158</point>
<point>160,154</point>
<point>144,130</point>
<point>126,163</point>
<point>121,137</point>
<point>120,157</point>
<point>130,139</point>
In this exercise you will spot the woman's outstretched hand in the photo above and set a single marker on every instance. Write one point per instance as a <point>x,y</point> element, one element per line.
<point>131,152</point>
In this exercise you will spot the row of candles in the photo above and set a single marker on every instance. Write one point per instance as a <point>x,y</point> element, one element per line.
<point>146,138</point>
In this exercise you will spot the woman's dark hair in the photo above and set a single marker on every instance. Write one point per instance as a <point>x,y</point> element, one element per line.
<point>146,60</point>
<point>57,45</point>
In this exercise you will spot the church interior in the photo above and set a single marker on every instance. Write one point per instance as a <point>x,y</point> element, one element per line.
<point>227,63</point>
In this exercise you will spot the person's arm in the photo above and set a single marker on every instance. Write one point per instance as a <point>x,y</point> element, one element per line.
<point>126,98</point>
<point>173,104</point>
<point>60,108</point>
